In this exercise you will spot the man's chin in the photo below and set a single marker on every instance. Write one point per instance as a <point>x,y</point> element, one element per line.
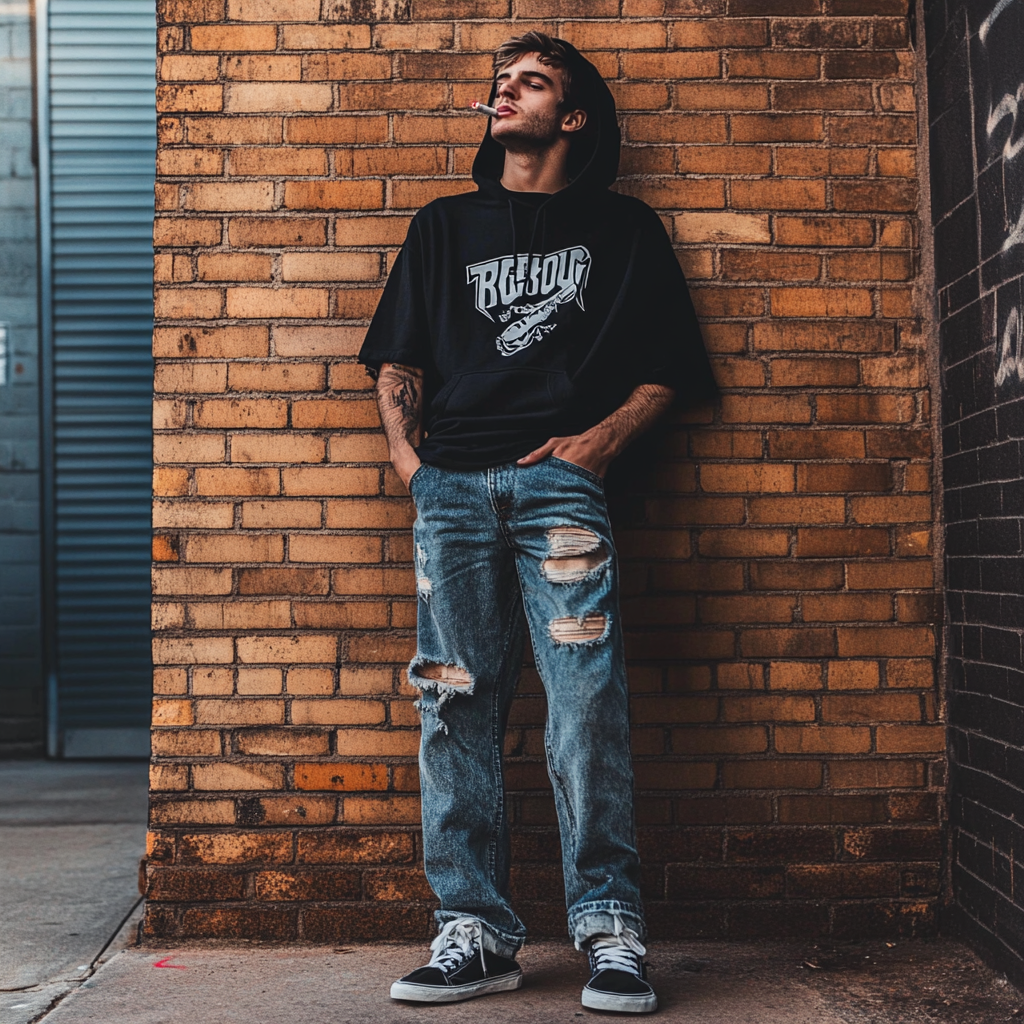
<point>518,139</point>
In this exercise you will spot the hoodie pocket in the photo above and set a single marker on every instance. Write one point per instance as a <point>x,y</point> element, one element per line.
<point>522,394</point>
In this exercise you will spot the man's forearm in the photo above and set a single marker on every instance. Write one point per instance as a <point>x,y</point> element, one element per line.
<point>400,400</point>
<point>634,417</point>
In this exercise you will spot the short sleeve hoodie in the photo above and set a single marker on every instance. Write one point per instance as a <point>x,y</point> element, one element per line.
<point>534,315</point>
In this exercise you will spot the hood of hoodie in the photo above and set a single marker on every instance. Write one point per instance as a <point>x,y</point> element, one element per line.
<point>593,162</point>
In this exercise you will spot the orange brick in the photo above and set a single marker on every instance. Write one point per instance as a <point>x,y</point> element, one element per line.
<point>329,481</point>
<point>821,302</point>
<point>853,675</point>
<point>765,64</point>
<point>189,651</point>
<point>816,444</point>
<point>777,127</point>
<point>263,161</point>
<point>865,408</point>
<point>188,448</point>
<point>341,615</point>
<point>910,739</point>
<point>743,543</point>
<point>848,608</point>
<point>885,641</point>
<point>747,265</point>
<point>241,412</point>
<point>210,195</point>
<point>672,65</point>
<point>188,68</point>
<point>344,776</point>
<point>874,476</point>
<point>917,673</point>
<point>721,227</point>
<point>824,372</point>
<point>768,709</point>
<point>713,32</point>
<point>273,10</point>
<point>794,675</point>
<point>876,774</point>
<point>276,302</point>
<point>192,98</point>
<point>333,195</point>
<point>238,481</point>
<point>232,38</point>
<point>765,409</point>
<point>756,478</point>
<point>889,575</point>
<point>234,267</point>
<point>257,67</point>
<point>324,37</point>
<point>257,97</point>
<point>357,66</point>
<point>671,128</point>
<point>291,581</point>
<point>234,130</point>
<point>313,340</point>
<point>245,232</point>
<point>675,193</point>
<point>191,581</point>
<point>289,448</point>
<point>844,336</point>
<point>228,547</point>
<point>276,377</point>
<point>210,342</point>
<point>287,649</point>
<point>829,739</point>
<point>187,304</point>
<point>895,509</point>
<point>841,541</point>
<point>186,231</point>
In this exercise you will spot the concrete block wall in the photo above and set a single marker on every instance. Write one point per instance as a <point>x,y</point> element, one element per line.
<point>21,686</point>
<point>778,566</point>
<point>975,73</point>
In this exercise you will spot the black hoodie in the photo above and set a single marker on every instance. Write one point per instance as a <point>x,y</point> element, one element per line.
<point>535,315</point>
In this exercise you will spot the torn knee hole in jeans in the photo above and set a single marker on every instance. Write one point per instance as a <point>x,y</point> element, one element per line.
<point>574,553</point>
<point>587,629</point>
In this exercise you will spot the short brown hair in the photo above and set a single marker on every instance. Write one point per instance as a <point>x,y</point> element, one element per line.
<point>553,52</point>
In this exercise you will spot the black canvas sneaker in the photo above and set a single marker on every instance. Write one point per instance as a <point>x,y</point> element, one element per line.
<point>459,968</point>
<point>618,977</point>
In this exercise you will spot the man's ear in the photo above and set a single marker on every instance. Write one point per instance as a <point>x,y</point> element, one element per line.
<point>574,120</point>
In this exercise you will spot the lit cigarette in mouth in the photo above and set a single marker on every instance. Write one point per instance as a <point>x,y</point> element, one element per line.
<point>482,108</point>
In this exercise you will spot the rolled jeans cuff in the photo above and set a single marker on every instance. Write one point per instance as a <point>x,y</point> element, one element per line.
<point>493,941</point>
<point>589,919</point>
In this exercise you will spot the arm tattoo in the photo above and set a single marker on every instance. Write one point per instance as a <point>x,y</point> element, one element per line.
<point>400,399</point>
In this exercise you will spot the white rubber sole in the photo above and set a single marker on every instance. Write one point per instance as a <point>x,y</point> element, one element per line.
<point>619,1003</point>
<point>434,994</point>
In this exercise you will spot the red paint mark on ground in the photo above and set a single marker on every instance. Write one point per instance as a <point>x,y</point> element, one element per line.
<point>164,963</point>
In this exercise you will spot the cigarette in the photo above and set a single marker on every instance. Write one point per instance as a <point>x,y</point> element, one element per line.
<point>482,108</point>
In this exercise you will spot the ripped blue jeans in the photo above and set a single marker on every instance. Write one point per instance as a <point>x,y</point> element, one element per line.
<point>504,554</point>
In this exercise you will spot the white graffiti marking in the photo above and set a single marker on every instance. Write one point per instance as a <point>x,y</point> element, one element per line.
<point>1011,359</point>
<point>987,24</point>
<point>1008,106</point>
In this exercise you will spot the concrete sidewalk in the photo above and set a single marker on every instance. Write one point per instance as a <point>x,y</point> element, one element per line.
<point>910,982</point>
<point>71,835</point>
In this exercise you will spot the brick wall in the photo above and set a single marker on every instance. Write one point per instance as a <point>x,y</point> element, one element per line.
<point>978,209</point>
<point>777,562</point>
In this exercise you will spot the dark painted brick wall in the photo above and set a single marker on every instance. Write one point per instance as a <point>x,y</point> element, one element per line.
<point>975,71</point>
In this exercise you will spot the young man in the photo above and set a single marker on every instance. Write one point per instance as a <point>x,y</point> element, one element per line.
<point>528,332</point>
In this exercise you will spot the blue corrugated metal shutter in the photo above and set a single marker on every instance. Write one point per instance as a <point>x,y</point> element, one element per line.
<point>102,62</point>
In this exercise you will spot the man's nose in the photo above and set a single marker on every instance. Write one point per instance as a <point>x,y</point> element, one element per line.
<point>505,88</point>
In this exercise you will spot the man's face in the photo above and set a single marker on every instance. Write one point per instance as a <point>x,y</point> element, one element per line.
<point>528,102</point>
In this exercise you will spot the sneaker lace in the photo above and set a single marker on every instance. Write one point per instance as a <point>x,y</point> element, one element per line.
<point>456,943</point>
<point>618,952</point>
